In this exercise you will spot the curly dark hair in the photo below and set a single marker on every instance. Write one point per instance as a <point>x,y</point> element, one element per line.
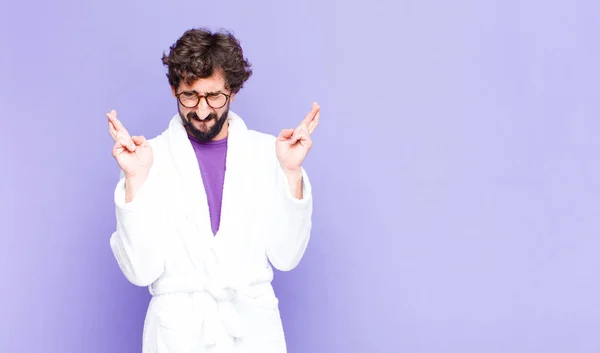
<point>199,53</point>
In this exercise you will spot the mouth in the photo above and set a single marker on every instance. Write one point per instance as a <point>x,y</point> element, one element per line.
<point>205,120</point>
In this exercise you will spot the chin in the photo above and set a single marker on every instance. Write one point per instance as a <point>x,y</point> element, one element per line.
<point>204,127</point>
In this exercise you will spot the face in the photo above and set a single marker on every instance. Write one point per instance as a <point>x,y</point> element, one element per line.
<point>204,122</point>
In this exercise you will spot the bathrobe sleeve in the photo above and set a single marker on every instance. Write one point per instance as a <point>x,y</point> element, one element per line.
<point>291,222</point>
<point>136,243</point>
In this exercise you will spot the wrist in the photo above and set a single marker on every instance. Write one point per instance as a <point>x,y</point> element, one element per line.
<point>132,185</point>
<point>294,179</point>
<point>293,174</point>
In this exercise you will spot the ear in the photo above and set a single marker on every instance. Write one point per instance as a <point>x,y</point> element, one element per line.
<point>232,97</point>
<point>173,91</point>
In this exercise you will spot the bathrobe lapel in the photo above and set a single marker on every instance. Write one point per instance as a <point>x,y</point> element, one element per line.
<point>192,204</point>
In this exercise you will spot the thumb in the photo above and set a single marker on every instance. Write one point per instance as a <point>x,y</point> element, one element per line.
<point>285,134</point>
<point>138,140</point>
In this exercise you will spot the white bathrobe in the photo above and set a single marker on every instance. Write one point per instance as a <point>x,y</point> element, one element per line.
<point>212,293</point>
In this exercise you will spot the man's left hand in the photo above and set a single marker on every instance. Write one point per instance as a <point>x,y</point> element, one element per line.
<point>293,145</point>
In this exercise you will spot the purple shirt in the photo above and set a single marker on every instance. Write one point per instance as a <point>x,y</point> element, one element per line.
<point>211,157</point>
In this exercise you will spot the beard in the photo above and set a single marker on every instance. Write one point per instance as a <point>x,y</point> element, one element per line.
<point>206,134</point>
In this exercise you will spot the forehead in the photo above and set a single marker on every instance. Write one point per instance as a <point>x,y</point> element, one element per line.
<point>214,83</point>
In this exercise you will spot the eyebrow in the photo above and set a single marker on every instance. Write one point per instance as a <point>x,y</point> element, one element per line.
<point>206,93</point>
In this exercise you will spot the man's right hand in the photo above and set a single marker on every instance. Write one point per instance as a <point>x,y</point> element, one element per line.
<point>133,154</point>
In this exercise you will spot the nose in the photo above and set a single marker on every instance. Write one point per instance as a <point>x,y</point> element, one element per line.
<point>202,110</point>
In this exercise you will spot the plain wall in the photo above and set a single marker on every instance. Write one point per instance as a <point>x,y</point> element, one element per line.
<point>455,169</point>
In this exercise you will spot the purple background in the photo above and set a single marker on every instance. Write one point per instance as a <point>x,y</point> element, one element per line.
<point>455,169</point>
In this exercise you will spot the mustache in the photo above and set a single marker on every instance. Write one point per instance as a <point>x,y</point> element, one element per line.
<point>193,116</point>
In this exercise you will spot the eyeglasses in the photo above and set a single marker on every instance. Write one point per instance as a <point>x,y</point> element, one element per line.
<point>192,99</point>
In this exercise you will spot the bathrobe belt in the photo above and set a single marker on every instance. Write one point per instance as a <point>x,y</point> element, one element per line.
<point>219,309</point>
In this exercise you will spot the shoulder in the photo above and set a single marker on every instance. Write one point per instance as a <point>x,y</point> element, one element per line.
<point>259,149</point>
<point>158,143</point>
<point>160,149</point>
<point>161,142</point>
<point>260,139</point>
<point>254,140</point>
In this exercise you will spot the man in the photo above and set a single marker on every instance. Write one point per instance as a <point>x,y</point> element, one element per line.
<point>208,207</point>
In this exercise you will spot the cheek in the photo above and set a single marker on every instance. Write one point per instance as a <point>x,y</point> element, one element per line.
<point>185,111</point>
<point>223,110</point>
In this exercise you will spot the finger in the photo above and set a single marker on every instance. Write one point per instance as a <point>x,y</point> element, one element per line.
<point>112,117</point>
<point>301,133</point>
<point>139,140</point>
<point>313,124</point>
<point>118,148</point>
<point>112,131</point>
<point>311,114</point>
<point>126,141</point>
<point>285,134</point>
